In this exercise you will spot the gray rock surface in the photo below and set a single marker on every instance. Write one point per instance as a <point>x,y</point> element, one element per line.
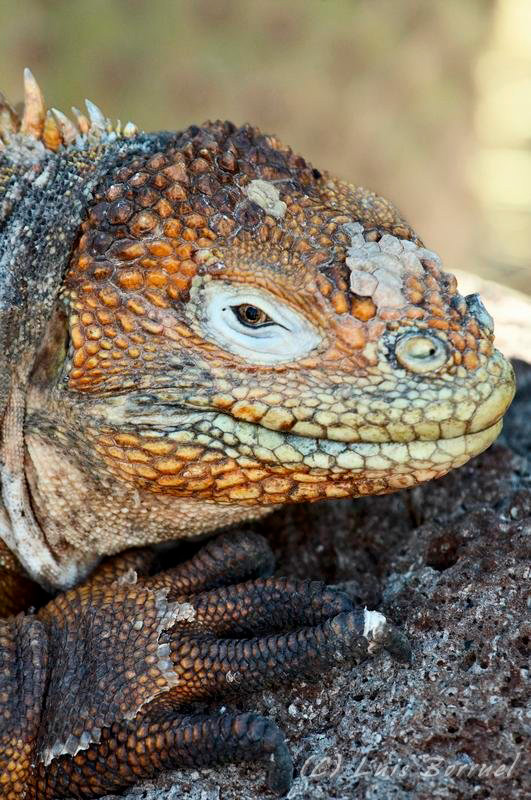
<point>449,562</point>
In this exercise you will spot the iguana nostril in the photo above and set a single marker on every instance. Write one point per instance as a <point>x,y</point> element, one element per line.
<point>478,310</point>
<point>420,352</point>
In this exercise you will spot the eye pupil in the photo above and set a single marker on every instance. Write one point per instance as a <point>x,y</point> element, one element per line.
<point>251,316</point>
<point>251,313</point>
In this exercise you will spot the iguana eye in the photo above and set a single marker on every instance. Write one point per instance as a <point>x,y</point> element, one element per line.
<point>420,352</point>
<point>251,316</point>
<point>253,323</point>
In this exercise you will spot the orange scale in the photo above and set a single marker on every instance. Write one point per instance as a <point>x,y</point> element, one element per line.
<point>184,251</point>
<point>437,311</point>
<point>363,308</point>
<point>439,324</point>
<point>197,485</point>
<point>188,267</point>
<point>79,358</point>
<point>471,341</point>
<point>159,181</point>
<point>76,335</point>
<point>391,314</point>
<point>470,360</point>
<point>136,306</point>
<point>457,340</point>
<point>104,317</point>
<point>175,194</point>
<point>94,332</point>
<point>130,279</point>
<point>473,328</point>
<point>134,454</point>
<point>415,297</point>
<point>149,263</point>
<point>174,293</point>
<point>152,327</point>
<point>83,262</point>
<point>194,220</point>
<point>170,265</point>
<point>142,223</point>
<point>171,480</point>
<point>127,439</point>
<point>109,298</point>
<point>126,321</point>
<point>172,228</point>
<point>160,248</point>
<point>173,333</point>
<point>324,285</point>
<point>158,447</point>
<point>156,299</point>
<point>132,251</point>
<point>177,170</point>
<point>91,301</point>
<point>101,273</point>
<point>169,466</point>
<point>179,282</point>
<point>163,208</point>
<point>156,277</point>
<point>414,313</point>
<point>129,469</point>
<point>145,472</point>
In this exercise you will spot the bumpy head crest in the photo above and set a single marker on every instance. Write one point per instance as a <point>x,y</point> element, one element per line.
<point>53,128</point>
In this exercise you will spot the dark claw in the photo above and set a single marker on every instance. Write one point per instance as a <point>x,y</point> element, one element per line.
<point>396,643</point>
<point>280,771</point>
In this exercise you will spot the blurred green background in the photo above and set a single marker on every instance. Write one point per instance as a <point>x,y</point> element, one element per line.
<point>426,101</point>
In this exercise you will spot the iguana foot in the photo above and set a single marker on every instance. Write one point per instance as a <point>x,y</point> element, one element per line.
<point>126,655</point>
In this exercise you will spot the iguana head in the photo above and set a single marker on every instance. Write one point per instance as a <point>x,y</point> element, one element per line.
<point>242,328</point>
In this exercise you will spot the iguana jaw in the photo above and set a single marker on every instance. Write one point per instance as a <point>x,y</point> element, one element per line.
<point>216,457</point>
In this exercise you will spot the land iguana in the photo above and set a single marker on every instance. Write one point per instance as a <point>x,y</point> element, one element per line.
<point>196,328</point>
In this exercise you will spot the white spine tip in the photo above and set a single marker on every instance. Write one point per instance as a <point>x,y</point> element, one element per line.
<point>96,116</point>
<point>69,131</point>
<point>34,106</point>
<point>373,623</point>
<point>129,130</point>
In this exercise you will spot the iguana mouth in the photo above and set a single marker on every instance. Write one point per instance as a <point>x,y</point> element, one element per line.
<point>326,455</point>
<point>241,440</point>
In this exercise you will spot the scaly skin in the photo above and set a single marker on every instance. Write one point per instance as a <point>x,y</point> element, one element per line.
<point>232,330</point>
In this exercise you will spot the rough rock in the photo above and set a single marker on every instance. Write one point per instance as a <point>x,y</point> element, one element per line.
<point>449,562</point>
